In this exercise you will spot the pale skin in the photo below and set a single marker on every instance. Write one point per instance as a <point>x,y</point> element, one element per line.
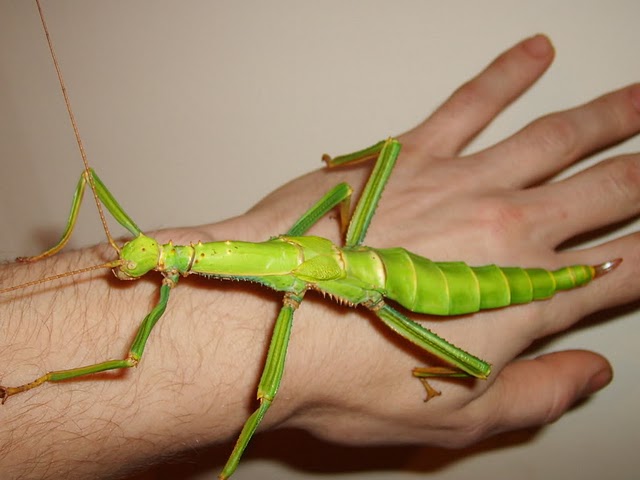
<point>195,383</point>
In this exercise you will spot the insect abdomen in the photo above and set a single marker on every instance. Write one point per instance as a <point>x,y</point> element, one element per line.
<point>454,288</point>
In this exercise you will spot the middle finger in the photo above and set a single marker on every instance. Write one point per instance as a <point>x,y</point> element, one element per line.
<point>601,195</point>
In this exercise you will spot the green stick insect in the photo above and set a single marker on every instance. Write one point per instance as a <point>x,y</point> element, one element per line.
<point>292,263</point>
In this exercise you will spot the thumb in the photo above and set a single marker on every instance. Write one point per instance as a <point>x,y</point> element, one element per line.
<point>538,391</point>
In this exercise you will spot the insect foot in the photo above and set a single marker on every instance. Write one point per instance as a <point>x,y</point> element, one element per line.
<point>6,392</point>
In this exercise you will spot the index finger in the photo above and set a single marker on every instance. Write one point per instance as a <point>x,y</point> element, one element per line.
<point>472,106</point>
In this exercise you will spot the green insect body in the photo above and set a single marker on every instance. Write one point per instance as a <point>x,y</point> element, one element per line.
<point>355,275</point>
<point>447,288</point>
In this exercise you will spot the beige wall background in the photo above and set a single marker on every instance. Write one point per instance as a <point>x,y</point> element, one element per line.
<point>249,94</point>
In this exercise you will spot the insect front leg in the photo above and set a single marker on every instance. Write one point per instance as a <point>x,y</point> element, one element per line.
<point>107,199</point>
<point>131,360</point>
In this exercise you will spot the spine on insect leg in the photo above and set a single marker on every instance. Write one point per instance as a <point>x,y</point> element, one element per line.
<point>455,288</point>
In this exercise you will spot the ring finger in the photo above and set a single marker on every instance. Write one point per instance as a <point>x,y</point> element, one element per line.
<point>601,195</point>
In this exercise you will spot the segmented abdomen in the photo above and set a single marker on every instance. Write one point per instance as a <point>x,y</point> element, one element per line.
<point>453,288</point>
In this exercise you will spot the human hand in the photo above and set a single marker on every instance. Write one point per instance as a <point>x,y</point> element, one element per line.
<point>493,206</point>
<point>347,378</point>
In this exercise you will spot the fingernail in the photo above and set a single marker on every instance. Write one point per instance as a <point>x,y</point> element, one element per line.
<point>598,381</point>
<point>635,96</point>
<point>538,46</point>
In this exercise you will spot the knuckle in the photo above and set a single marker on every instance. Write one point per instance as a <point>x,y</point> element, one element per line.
<point>469,435</point>
<point>610,117</point>
<point>499,218</point>
<point>623,177</point>
<point>469,427</point>
<point>555,134</point>
<point>468,95</point>
<point>555,409</point>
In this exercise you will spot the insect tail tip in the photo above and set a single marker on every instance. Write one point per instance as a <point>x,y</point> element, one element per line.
<point>607,266</point>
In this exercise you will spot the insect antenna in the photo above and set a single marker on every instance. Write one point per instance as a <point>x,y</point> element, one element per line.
<point>76,132</point>
<point>111,264</point>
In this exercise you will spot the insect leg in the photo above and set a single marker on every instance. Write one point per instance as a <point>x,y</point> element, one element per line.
<point>363,155</point>
<point>113,206</point>
<point>464,364</point>
<point>131,360</point>
<point>387,153</point>
<point>338,195</point>
<point>105,197</point>
<point>270,380</point>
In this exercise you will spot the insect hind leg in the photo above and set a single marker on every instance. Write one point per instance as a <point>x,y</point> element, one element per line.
<point>463,364</point>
